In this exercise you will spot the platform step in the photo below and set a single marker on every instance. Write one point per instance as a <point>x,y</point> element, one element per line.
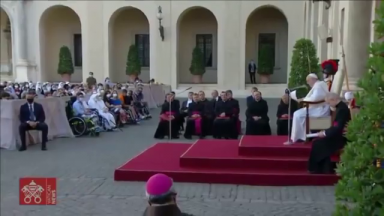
<point>165,158</point>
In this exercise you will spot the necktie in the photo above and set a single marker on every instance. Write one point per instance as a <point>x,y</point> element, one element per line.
<point>31,113</point>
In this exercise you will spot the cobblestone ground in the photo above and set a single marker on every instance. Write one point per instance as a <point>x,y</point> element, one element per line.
<point>84,168</point>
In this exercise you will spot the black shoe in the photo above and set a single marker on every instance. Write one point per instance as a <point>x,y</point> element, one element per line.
<point>22,148</point>
<point>201,137</point>
<point>175,137</point>
<point>44,148</point>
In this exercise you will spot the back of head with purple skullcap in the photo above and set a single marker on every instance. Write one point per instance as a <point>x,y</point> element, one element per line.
<point>159,186</point>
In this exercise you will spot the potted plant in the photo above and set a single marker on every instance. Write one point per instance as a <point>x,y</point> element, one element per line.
<point>65,68</point>
<point>133,67</point>
<point>304,61</point>
<point>197,67</point>
<point>360,188</point>
<point>266,63</point>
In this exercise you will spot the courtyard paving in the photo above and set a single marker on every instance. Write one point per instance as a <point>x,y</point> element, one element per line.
<point>84,168</point>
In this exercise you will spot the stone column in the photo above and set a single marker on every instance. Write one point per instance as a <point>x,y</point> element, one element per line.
<point>358,38</point>
<point>24,71</point>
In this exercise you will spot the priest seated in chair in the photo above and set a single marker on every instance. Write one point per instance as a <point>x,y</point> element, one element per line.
<point>223,124</point>
<point>331,140</point>
<point>257,116</point>
<point>194,118</point>
<point>319,90</point>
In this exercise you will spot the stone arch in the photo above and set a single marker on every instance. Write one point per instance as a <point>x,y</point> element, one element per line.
<point>267,26</point>
<point>197,26</point>
<point>59,26</point>
<point>7,42</point>
<point>128,26</point>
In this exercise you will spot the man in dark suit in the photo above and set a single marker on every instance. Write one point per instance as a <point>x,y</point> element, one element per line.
<point>184,109</point>
<point>252,69</point>
<point>215,98</point>
<point>331,140</point>
<point>32,117</point>
<point>251,98</point>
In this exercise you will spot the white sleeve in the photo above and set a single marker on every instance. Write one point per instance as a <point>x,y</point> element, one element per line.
<point>316,95</point>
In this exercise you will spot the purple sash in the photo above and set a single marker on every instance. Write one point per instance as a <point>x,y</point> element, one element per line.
<point>197,124</point>
<point>166,116</point>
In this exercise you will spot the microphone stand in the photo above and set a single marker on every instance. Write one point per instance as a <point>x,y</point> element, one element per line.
<point>289,142</point>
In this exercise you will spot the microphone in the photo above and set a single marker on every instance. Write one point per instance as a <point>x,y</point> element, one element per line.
<point>289,90</point>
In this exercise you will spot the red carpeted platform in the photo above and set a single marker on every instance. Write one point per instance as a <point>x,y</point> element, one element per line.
<point>219,161</point>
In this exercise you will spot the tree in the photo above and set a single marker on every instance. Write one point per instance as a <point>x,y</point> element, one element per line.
<point>133,66</point>
<point>361,188</point>
<point>304,61</point>
<point>197,64</point>
<point>266,60</point>
<point>65,61</point>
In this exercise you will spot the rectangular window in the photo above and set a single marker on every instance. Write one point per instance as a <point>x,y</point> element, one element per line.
<point>78,50</point>
<point>204,42</point>
<point>342,27</point>
<point>268,40</point>
<point>142,44</point>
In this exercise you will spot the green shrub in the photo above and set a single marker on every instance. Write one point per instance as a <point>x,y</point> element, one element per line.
<point>198,62</point>
<point>65,61</point>
<point>360,191</point>
<point>133,66</point>
<point>304,61</point>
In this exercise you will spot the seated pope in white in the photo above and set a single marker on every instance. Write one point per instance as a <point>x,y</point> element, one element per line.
<point>318,92</point>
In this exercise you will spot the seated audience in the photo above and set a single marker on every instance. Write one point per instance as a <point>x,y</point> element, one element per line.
<point>5,96</point>
<point>161,197</point>
<point>257,116</point>
<point>331,140</point>
<point>95,102</point>
<point>127,103</point>
<point>194,118</point>
<point>283,117</point>
<point>32,117</point>
<point>115,103</point>
<point>223,124</point>
<point>250,97</point>
<point>140,103</point>
<point>169,122</point>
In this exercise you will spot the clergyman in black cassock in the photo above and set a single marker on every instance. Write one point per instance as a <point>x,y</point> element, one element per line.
<point>283,117</point>
<point>235,115</point>
<point>223,124</point>
<point>194,118</point>
<point>169,119</point>
<point>257,117</point>
<point>331,140</point>
<point>208,115</point>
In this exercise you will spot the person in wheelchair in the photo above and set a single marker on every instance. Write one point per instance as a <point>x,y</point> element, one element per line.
<point>127,103</point>
<point>90,117</point>
<point>114,105</point>
<point>140,104</point>
<point>108,120</point>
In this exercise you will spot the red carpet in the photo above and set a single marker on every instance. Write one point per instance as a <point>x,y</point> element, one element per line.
<point>219,161</point>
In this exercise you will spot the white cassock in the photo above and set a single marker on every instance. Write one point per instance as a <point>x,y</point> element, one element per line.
<point>96,103</point>
<point>317,93</point>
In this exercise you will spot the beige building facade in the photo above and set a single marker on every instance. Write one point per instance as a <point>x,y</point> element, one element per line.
<point>229,33</point>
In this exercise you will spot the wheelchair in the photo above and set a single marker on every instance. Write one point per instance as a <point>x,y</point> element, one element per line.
<point>83,125</point>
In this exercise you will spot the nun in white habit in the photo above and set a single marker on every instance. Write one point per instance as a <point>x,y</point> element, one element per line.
<point>95,102</point>
<point>318,92</point>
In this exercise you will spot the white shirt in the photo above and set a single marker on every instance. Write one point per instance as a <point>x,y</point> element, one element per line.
<point>188,102</point>
<point>30,107</point>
